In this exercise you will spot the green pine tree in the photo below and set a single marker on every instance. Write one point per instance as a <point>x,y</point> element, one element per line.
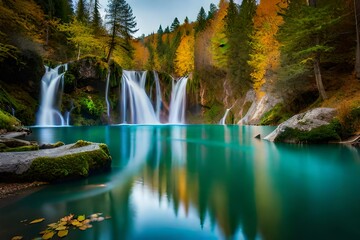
<point>201,20</point>
<point>122,25</point>
<point>305,37</point>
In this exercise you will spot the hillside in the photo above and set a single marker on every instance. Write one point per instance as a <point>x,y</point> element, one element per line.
<point>279,58</point>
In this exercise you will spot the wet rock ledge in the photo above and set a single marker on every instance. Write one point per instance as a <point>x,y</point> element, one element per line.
<point>58,164</point>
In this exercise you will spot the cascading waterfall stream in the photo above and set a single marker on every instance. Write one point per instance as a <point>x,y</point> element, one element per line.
<point>139,106</point>
<point>135,98</point>
<point>223,120</point>
<point>178,101</point>
<point>52,85</point>
<point>107,94</point>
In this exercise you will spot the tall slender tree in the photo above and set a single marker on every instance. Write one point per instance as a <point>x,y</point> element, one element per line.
<point>357,22</point>
<point>175,24</point>
<point>201,20</point>
<point>81,11</point>
<point>305,36</point>
<point>122,25</point>
<point>96,18</point>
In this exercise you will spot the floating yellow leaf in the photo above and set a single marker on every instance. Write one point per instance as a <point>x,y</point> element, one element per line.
<point>75,223</point>
<point>94,215</point>
<point>81,218</point>
<point>37,220</point>
<point>53,225</point>
<point>17,238</point>
<point>86,221</point>
<point>63,233</point>
<point>60,228</point>
<point>83,228</point>
<point>48,235</point>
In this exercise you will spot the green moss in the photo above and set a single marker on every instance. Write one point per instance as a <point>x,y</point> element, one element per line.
<point>105,148</point>
<point>275,116</point>
<point>20,149</point>
<point>214,114</point>
<point>81,143</point>
<point>8,122</point>
<point>54,169</point>
<point>58,144</point>
<point>322,134</point>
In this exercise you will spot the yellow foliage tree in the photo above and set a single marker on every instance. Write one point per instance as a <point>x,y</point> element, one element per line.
<point>265,57</point>
<point>219,40</point>
<point>141,55</point>
<point>184,60</point>
<point>81,36</point>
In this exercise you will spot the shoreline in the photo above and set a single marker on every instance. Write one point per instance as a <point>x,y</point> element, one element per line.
<point>10,192</point>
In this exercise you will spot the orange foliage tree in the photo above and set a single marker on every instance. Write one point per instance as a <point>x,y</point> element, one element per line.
<point>265,56</point>
<point>219,40</point>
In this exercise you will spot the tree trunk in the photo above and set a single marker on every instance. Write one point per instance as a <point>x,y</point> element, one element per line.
<point>78,57</point>
<point>318,78</point>
<point>357,62</point>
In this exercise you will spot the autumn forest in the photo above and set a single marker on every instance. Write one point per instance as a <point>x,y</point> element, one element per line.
<point>277,46</point>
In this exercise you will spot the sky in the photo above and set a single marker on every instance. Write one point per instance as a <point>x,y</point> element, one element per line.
<point>150,14</point>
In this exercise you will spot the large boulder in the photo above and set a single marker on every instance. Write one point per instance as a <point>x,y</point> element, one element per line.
<point>58,164</point>
<point>314,126</point>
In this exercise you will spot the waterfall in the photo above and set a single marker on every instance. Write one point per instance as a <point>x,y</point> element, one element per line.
<point>178,101</point>
<point>107,94</point>
<point>223,120</point>
<point>141,104</point>
<point>52,85</point>
<point>135,99</point>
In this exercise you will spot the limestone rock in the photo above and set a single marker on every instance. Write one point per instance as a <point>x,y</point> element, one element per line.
<point>258,107</point>
<point>57,164</point>
<point>301,124</point>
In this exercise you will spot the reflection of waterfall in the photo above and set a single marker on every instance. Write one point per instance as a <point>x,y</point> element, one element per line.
<point>178,102</point>
<point>223,120</point>
<point>52,85</point>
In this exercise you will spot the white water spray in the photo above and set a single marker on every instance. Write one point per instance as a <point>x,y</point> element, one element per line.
<point>52,85</point>
<point>223,120</point>
<point>135,98</point>
<point>178,101</point>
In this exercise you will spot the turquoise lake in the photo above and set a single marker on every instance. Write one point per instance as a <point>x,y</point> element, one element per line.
<point>200,182</point>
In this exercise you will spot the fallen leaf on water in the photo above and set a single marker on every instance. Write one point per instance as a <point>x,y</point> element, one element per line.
<point>63,233</point>
<point>100,219</point>
<point>37,220</point>
<point>81,218</point>
<point>53,225</point>
<point>48,235</point>
<point>94,215</point>
<point>60,228</point>
<point>17,238</point>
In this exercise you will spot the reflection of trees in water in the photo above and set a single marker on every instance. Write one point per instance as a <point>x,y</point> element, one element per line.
<point>217,181</point>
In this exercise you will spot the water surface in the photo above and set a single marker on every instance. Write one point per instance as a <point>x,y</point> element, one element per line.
<point>200,182</point>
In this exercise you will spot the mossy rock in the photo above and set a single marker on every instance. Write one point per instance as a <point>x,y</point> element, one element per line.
<point>322,134</point>
<point>20,149</point>
<point>61,164</point>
